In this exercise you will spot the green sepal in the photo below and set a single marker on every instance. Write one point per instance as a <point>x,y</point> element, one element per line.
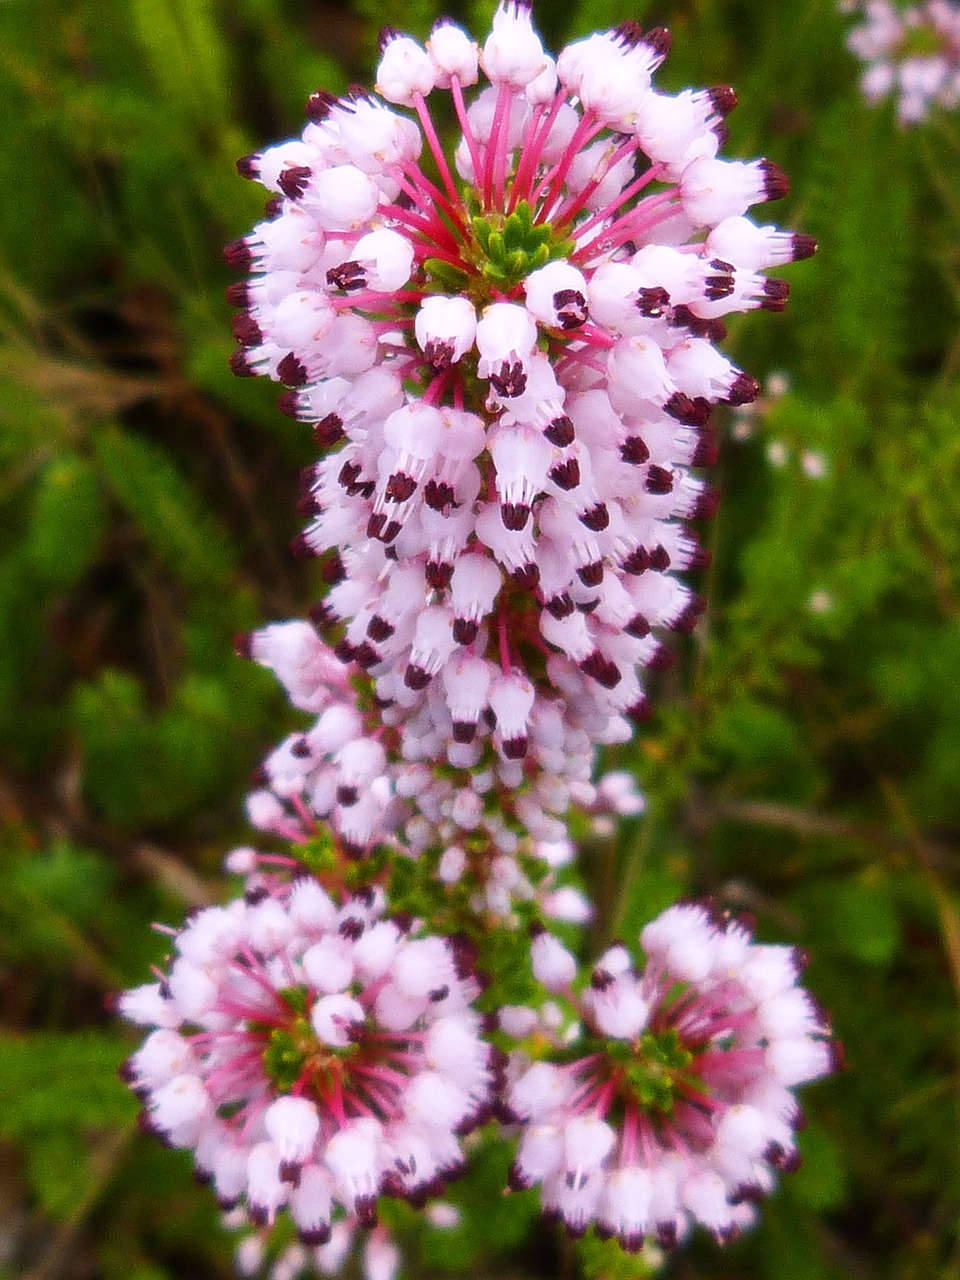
<point>451,278</point>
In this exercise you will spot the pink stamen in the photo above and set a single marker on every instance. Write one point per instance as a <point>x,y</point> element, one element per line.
<point>502,152</point>
<point>569,210</point>
<point>469,138</point>
<point>434,392</point>
<point>372,301</point>
<point>277,860</point>
<point>380,1071</point>
<point>553,180</point>
<point>589,1099</point>
<point>533,150</point>
<point>428,192</point>
<point>429,230</point>
<point>629,1138</point>
<point>309,822</point>
<point>357,1105</point>
<point>633,225</point>
<point>335,1101</point>
<point>426,120</point>
<point>499,124</point>
<point>579,359</point>
<point>596,337</point>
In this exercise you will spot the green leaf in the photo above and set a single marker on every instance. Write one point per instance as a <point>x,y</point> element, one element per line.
<point>68,520</point>
<point>863,920</point>
<point>74,881</point>
<point>821,1181</point>
<point>183,46</point>
<point>61,1081</point>
<point>146,483</point>
<point>605,1260</point>
<point>58,1168</point>
<point>491,1221</point>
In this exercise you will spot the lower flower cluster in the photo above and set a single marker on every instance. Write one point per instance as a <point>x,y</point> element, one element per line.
<point>673,1104</point>
<point>313,1056</point>
<point>318,1054</point>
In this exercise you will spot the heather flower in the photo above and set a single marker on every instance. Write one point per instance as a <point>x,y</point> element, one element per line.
<point>507,354</point>
<point>259,1252</point>
<point>313,1056</point>
<point>370,784</point>
<point>911,54</point>
<point>669,1102</point>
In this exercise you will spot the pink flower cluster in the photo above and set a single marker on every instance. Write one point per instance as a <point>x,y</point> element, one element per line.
<point>512,373</point>
<point>312,1056</point>
<point>508,356</point>
<point>479,826</point>
<point>673,1103</point>
<point>912,54</point>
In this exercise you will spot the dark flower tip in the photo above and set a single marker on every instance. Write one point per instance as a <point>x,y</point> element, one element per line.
<point>290,371</point>
<point>238,293</point>
<point>640,713</point>
<point>690,616</point>
<point>705,454</point>
<point>662,660</point>
<point>659,480</point>
<point>803,246</point>
<point>294,180</point>
<point>527,577</point>
<point>559,432</point>
<point>248,166</point>
<point>319,105</point>
<point>416,678</point>
<point>439,576</point>
<point>288,404</point>
<point>243,644</point>
<point>596,518</point>
<point>724,99</point>
<point>515,748</point>
<point>328,430</point>
<point>237,254</point>
<point>565,475</point>
<point>776,184</point>
<point>659,40</point>
<point>602,669</point>
<point>743,390</point>
<point>700,558</point>
<point>246,330</point>
<point>707,503</point>
<point>315,1237</point>
<point>465,630</point>
<point>690,412</point>
<point>300,548</point>
<point>775,294</point>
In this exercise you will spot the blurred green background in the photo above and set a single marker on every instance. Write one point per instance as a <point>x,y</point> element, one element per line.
<point>804,762</point>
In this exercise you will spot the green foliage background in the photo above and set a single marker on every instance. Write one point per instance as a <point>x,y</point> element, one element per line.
<point>804,762</point>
